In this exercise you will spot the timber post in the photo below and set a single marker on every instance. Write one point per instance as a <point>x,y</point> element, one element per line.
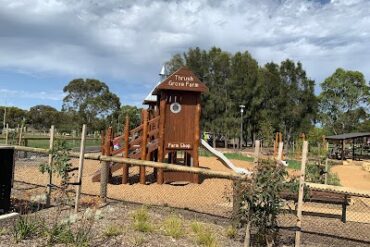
<point>126,132</point>
<point>162,105</point>
<point>280,151</point>
<point>50,163</point>
<point>326,170</point>
<point>7,134</point>
<point>344,209</point>
<point>80,167</point>
<point>104,175</point>
<point>143,145</point>
<point>300,195</point>
<point>256,150</point>
<point>196,141</point>
<point>20,135</point>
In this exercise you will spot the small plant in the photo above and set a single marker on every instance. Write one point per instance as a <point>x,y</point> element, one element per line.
<point>261,202</point>
<point>207,238</point>
<point>61,162</point>
<point>333,179</point>
<point>204,235</point>
<point>81,238</point>
<point>112,231</point>
<point>141,220</point>
<point>3,231</point>
<point>196,227</point>
<point>25,227</point>
<point>173,227</point>
<point>83,227</point>
<point>138,240</point>
<point>59,233</point>
<point>231,232</point>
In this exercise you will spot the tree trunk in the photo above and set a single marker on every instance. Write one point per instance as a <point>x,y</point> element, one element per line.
<point>247,239</point>
<point>287,141</point>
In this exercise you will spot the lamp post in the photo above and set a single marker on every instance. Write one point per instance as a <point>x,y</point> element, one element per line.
<point>241,125</point>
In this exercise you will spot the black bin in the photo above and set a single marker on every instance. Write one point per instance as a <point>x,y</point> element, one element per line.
<point>6,177</point>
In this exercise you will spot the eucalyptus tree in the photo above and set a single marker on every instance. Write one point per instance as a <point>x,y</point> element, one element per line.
<point>299,106</point>
<point>91,101</point>
<point>345,101</point>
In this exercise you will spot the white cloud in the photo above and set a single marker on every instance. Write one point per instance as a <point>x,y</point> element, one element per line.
<point>129,41</point>
<point>40,95</point>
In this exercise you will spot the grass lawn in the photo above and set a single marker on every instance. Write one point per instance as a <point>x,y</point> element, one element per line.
<point>70,143</point>
<point>45,143</point>
<point>234,156</point>
<point>294,164</point>
<point>238,156</point>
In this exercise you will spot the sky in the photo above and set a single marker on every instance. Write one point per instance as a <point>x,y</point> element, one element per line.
<point>44,44</point>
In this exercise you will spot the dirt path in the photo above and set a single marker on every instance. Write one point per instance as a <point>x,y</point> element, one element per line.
<point>352,176</point>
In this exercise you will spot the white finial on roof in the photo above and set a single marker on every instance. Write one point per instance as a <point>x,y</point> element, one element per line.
<point>163,73</point>
<point>153,98</point>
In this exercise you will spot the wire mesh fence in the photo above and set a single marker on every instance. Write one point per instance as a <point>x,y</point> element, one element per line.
<point>328,219</point>
<point>212,196</point>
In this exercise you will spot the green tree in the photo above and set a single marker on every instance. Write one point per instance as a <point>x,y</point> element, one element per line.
<point>298,108</point>
<point>344,101</point>
<point>281,97</point>
<point>134,114</point>
<point>92,102</point>
<point>41,117</point>
<point>245,89</point>
<point>364,126</point>
<point>176,62</point>
<point>14,116</point>
<point>68,121</point>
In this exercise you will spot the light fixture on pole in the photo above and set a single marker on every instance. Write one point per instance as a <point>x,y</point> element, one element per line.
<point>241,126</point>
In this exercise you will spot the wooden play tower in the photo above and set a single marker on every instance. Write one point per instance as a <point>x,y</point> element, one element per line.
<point>169,132</point>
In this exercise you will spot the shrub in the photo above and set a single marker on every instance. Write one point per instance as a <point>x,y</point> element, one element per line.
<point>261,200</point>
<point>141,220</point>
<point>315,174</point>
<point>173,227</point>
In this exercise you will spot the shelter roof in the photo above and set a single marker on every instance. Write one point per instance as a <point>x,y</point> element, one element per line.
<point>151,98</point>
<point>347,136</point>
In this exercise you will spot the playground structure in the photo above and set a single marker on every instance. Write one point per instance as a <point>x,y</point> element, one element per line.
<point>169,132</point>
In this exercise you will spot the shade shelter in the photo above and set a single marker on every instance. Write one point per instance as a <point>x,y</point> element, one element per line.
<point>359,145</point>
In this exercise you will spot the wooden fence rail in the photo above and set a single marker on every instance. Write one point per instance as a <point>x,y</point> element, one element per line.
<point>171,167</point>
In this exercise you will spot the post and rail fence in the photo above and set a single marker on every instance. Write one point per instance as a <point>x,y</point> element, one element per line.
<point>341,214</point>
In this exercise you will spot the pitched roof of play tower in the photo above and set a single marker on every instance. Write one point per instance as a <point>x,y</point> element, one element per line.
<point>182,80</point>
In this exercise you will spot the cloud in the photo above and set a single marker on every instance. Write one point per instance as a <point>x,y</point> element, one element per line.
<point>40,95</point>
<point>130,40</point>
